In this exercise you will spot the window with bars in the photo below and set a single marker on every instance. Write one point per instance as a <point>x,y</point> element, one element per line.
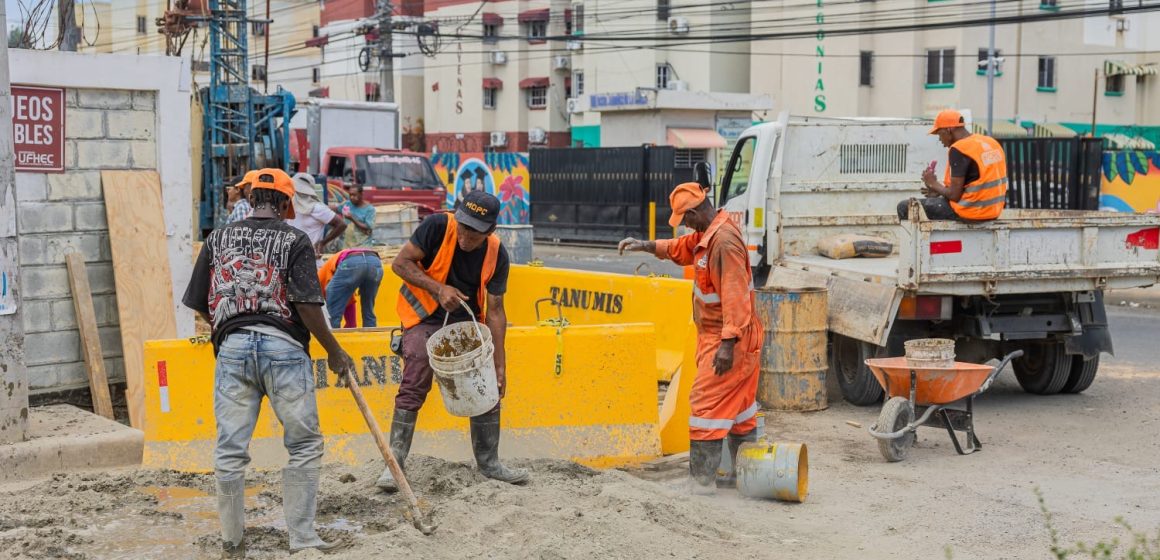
<point>940,67</point>
<point>490,33</point>
<point>577,19</point>
<point>258,72</point>
<point>537,97</point>
<point>982,64</point>
<point>259,28</point>
<point>489,97</point>
<point>664,75</point>
<point>1046,73</point>
<point>1114,85</point>
<point>664,10</point>
<point>142,25</point>
<point>537,30</point>
<point>687,157</point>
<point>866,68</point>
<point>577,83</point>
<point>316,74</point>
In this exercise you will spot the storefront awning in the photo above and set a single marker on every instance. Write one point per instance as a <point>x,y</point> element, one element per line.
<point>706,138</point>
<point>1047,130</point>
<point>1125,142</point>
<point>492,83</point>
<point>1002,129</point>
<point>1120,68</point>
<point>534,15</point>
<point>492,19</point>
<point>533,82</point>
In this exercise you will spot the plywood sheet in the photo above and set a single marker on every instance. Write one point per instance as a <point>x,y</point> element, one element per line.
<point>141,271</point>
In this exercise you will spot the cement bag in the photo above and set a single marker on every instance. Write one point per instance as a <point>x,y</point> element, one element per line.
<point>849,245</point>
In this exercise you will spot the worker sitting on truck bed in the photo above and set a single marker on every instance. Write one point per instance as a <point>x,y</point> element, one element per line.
<point>729,333</point>
<point>974,187</point>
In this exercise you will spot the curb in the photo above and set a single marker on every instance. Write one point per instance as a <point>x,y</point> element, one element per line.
<point>66,438</point>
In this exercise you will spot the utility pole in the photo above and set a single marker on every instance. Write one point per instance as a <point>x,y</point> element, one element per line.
<point>13,375</point>
<point>991,63</point>
<point>386,52</point>
<point>70,34</point>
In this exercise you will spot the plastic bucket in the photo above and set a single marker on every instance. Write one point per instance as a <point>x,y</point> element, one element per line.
<point>461,355</point>
<point>930,352</point>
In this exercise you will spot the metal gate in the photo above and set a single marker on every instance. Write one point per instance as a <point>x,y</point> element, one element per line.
<point>600,195</point>
<point>1053,173</point>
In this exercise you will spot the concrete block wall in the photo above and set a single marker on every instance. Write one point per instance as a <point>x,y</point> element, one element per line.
<point>63,212</point>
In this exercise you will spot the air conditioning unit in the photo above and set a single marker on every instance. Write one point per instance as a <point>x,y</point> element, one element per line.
<point>678,85</point>
<point>678,25</point>
<point>498,139</point>
<point>574,45</point>
<point>498,57</point>
<point>537,136</point>
<point>561,62</point>
<point>1123,25</point>
<point>573,105</point>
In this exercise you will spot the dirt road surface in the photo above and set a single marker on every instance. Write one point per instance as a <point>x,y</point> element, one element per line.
<point>1094,457</point>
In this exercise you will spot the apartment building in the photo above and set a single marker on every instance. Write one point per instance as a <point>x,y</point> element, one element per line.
<point>1049,72</point>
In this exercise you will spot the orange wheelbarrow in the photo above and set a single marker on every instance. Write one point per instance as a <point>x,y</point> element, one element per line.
<point>927,392</point>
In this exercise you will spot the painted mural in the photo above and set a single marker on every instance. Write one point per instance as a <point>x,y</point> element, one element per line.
<point>503,174</point>
<point>1131,182</point>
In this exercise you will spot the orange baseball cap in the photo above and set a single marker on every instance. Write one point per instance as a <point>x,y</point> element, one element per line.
<point>949,118</point>
<point>685,197</point>
<point>274,179</point>
<point>248,179</point>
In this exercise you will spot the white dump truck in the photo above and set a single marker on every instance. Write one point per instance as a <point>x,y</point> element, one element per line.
<point>1032,280</point>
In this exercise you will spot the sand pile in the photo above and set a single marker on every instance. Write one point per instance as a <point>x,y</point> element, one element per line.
<point>568,511</point>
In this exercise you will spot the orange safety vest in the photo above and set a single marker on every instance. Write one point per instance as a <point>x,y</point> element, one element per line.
<point>984,198</point>
<point>416,304</point>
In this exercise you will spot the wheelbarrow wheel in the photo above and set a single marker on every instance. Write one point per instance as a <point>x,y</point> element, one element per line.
<point>895,416</point>
<point>1044,368</point>
<point>848,364</point>
<point>1083,373</point>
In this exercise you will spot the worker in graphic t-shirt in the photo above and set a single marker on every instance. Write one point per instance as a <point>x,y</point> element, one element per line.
<point>451,259</point>
<point>255,282</point>
<point>974,186</point>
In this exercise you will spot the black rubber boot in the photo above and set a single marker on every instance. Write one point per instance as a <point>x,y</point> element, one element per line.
<point>729,480</point>
<point>402,432</point>
<point>704,457</point>
<point>485,445</point>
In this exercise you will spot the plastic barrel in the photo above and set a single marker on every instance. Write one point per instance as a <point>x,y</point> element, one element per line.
<point>793,357</point>
<point>779,471</point>
<point>466,378</point>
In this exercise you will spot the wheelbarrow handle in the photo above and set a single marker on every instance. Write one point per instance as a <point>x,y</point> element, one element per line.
<point>998,369</point>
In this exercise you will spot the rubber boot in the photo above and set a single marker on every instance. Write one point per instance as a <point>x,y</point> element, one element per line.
<point>704,456</point>
<point>231,505</point>
<point>485,444</point>
<point>402,432</point>
<point>729,479</point>
<point>299,502</point>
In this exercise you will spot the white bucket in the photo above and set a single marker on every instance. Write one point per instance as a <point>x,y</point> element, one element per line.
<point>461,356</point>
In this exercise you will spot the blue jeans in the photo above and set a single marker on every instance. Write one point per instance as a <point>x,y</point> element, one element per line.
<point>362,271</point>
<point>251,366</point>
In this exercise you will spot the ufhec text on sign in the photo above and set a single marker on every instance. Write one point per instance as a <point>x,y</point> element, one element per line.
<point>38,128</point>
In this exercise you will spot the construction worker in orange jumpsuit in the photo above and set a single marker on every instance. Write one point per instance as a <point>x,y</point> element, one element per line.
<point>723,401</point>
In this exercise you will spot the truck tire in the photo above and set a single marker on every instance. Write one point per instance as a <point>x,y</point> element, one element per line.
<point>1044,367</point>
<point>847,365</point>
<point>1083,373</point>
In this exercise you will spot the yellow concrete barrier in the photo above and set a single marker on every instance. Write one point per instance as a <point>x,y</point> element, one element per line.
<point>598,409</point>
<point>589,298</point>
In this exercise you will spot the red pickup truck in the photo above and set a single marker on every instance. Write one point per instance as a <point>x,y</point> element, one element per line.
<point>387,176</point>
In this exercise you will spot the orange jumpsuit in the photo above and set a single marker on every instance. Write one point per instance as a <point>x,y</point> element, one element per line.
<point>723,308</point>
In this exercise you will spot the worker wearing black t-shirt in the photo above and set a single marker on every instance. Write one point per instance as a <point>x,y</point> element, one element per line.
<point>450,260</point>
<point>974,186</point>
<point>255,282</point>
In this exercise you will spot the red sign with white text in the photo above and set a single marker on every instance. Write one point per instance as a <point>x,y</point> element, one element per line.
<point>38,128</point>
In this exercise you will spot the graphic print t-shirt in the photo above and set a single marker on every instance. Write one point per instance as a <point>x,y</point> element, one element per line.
<point>251,273</point>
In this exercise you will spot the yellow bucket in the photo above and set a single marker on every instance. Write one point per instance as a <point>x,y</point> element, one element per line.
<point>773,470</point>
